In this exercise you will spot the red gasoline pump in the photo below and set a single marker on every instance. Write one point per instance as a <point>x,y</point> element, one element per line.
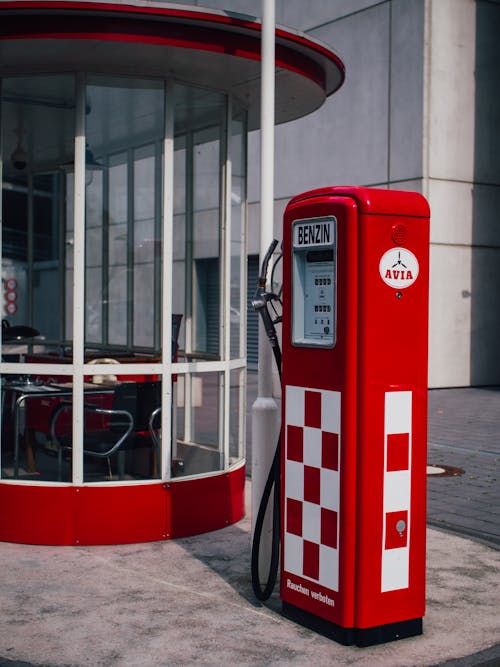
<point>354,413</point>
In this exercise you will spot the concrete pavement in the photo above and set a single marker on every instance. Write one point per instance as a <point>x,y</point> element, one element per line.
<point>190,602</point>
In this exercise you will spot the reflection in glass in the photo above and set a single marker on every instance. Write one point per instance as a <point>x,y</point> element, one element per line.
<point>116,305</point>
<point>206,241</point>
<point>198,219</point>
<point>237,396</point>
<point>37,140</point>
<point>238,232</point>
<point>120,442</point>
<point>180,295</point>
<point>94,246</point>
<point>199,449</point>
<point>124,133</point>
<point>123,125</point>
<point>147,250</point>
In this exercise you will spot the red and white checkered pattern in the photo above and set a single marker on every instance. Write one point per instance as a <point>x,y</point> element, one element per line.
<point>312,485</point>
<point>397,491</point>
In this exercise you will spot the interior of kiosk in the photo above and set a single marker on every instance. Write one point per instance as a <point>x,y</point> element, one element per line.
<point>123,133</point>
<point>123,271</point>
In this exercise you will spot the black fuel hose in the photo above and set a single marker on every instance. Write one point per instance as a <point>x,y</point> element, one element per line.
<point>273,479</point>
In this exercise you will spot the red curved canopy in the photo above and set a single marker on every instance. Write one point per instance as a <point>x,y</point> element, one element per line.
<point>216,49</point>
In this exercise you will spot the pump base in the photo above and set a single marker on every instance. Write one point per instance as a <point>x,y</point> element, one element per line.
<point>361,637</point>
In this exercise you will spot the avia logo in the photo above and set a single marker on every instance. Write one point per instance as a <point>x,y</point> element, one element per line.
<point>398,268</point>
<point>401,273</point>
<point>398,275</point>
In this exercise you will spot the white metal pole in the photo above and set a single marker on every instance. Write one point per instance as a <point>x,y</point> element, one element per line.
<point>265,410</point>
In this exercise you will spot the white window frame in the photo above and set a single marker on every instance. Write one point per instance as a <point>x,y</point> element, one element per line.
<point>165,369</point>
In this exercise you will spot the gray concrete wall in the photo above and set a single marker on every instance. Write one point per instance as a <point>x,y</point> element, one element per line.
<point>369,132</point>
<point>462,182</point>
<point>419,110</point>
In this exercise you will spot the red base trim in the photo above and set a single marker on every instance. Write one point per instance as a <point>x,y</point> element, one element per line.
<point>84,515</point>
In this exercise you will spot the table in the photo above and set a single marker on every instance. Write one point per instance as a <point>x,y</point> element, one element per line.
<point>23,391</point>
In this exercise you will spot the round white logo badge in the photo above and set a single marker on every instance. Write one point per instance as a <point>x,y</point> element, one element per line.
<point>398,268</point>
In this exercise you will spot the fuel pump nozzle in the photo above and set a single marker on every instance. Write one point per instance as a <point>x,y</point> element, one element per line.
<point>262,299</point>
<point>261,302</point>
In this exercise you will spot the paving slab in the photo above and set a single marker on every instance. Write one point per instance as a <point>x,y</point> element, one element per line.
<point>190,602</point>
<point>464,433</point>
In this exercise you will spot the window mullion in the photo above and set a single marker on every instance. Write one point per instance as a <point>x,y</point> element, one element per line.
<point>130,248</point>
<point>79,280</point>
<point>167,257</point>
<point>226,275</point>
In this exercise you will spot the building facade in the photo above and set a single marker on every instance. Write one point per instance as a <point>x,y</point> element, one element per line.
<point>419,110</point>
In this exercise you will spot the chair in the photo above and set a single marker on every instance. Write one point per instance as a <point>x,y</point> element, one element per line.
<point>154,427</point>
<point>127,426</point>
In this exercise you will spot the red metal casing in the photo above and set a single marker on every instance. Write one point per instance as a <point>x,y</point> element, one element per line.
<point>354,425</point>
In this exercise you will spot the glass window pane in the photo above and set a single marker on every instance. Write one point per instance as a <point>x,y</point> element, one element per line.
<point>124,125</point>
<point>117,192</point>
<point>237,414</point>
<point>116,275</point>
<point>147,251</point>
<point>144,183</point>
<point>118,442</point>
<point>144,291</point>
<point>36,428</point>
<point>94,256</point>
<point>207,299</point>
<point>37,140</point>
<point>198,417</point>
<point>124,133</point>
<point>197,448</point>
<point>238,230</point>
<point>206,241</point>
<point>199,125</point>
<point>179,303</point>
